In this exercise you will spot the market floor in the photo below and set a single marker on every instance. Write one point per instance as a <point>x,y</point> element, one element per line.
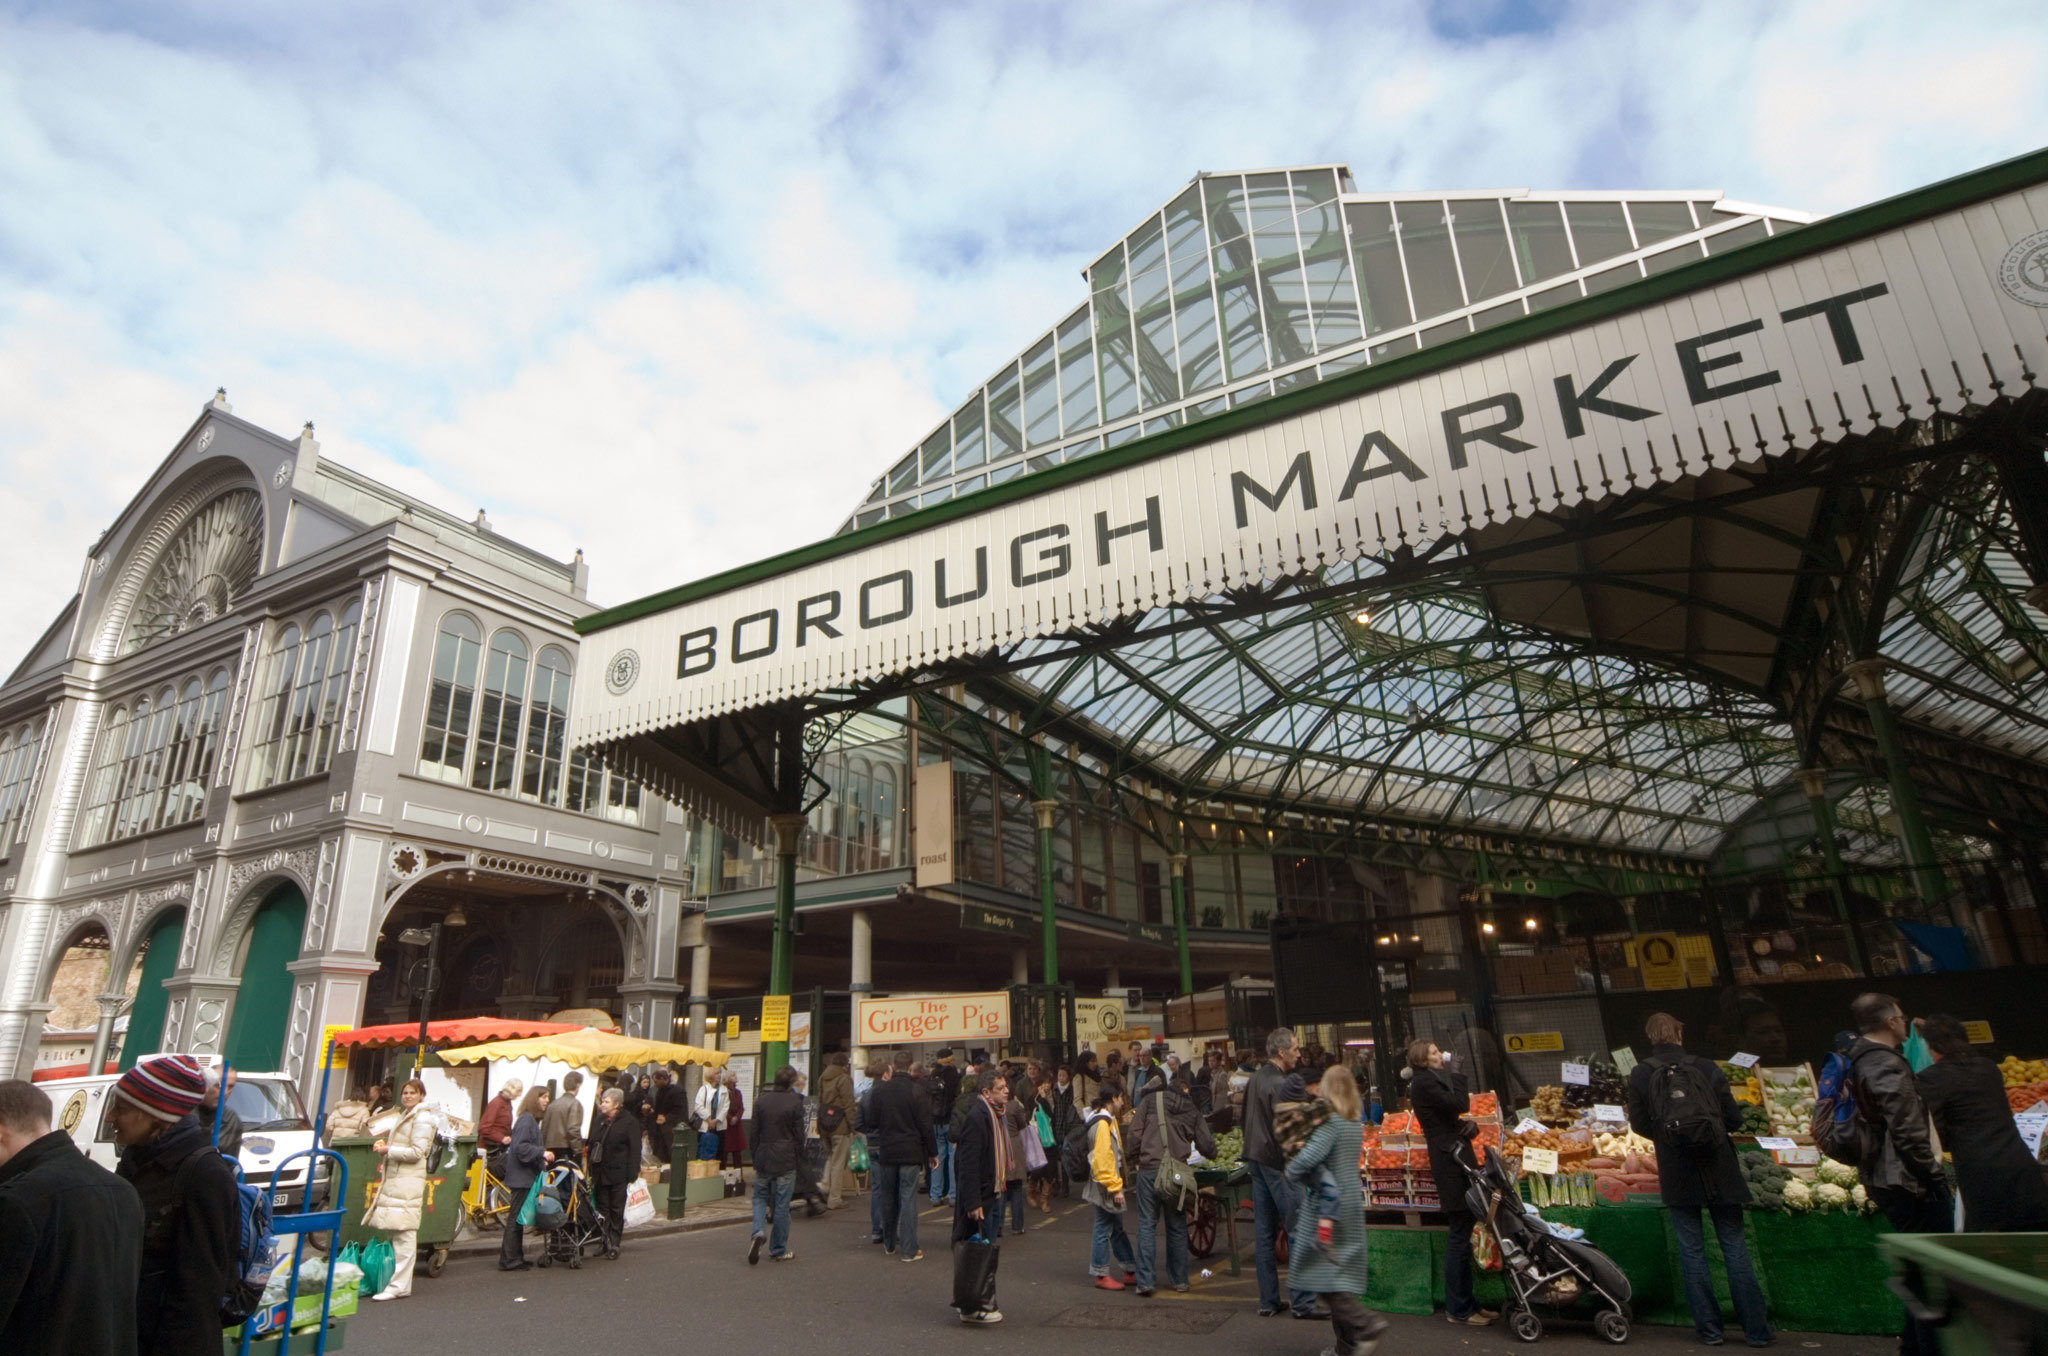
<point>695,1291</point>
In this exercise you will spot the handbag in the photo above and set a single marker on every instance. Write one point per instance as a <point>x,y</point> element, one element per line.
<point>831,1119</point>
<point>1174,1181</point>
<point>974,1273</point>
<point>1044,1128</point>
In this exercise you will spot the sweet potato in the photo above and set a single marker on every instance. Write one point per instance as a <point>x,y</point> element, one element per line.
<point>1601,1164</point>
<point>1610,1188</point>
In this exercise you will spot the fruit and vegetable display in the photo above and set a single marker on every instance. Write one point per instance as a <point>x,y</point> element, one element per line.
<point>1229,1147</point>
<point>1547,1104</point>
<point>2026,1081</point>
<point>1788,1103</point>
<point>1766,1178</point>
<point>1627,1142</point>
<point>1834,1190</point>
<point>1755,1121</point>
<point>1605,1086</point>
<point>1566,1188</point>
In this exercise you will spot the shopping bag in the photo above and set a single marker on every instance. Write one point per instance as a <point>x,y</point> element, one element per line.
<point>353,1255</point>
<point>639,1205</point>
<point>1044,1123</point>
<point>1034,1152</point>
<point>974,1274</point>
<point>529,1209</point>
<point>707,1145</point>
<point>1485,1252</point>
<point>857,1154</point>
<point>378,1264</point>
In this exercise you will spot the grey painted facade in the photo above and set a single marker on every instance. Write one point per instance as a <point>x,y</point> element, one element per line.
<point>238,791</point>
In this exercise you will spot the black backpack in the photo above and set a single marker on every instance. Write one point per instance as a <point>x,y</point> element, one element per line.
<point>1077,1151</point>
<point>1685,1112</point>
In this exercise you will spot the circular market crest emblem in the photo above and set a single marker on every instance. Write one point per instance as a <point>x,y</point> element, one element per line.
<point>2024,274</point>
<point>622,672</point>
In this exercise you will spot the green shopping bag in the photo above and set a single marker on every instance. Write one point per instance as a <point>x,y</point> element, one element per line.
<point>857,1154</point>
<point>530,1207</point>
<point>1044,1123</point>
<point>378,1264</point>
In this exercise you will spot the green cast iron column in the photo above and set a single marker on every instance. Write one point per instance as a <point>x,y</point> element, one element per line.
<point>1868,675</point>
<point>1048,921</point>
<point>775,1054</point>
<point>1179,864</point>
<point>1814,780</point>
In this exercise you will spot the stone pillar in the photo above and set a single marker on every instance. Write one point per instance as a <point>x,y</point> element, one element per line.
<point>58,783</point>
<point>1921,866</point>
<point>327,992</point>
<point>1814,781</point>
<point>861,970</point>
<point>111,1005</point>
<point>650,1009</point>
<point>700,992</point>
<point>196,1013</point>
<point>1114,980</point>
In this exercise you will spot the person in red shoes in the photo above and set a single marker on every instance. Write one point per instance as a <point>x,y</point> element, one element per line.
<point>1105,1190</point>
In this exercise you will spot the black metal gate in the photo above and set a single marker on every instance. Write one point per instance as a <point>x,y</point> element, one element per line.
<point>1042,1022</point>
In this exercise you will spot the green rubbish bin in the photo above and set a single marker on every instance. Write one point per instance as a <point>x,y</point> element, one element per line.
<point>440,1213</point>
<point>1987,1293</point>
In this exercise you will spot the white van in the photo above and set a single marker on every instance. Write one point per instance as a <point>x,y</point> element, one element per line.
<point>274,1126</point>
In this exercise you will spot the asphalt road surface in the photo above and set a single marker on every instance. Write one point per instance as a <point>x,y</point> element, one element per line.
<point>840,1294</point>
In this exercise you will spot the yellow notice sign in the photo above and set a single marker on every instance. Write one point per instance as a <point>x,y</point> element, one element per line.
<point>1540,1160</point>
<point>1978,1032</point>
<point>732,1027</point>
<point>1535,1042</point>
<point>1658,955</point>
<point>775,1018</point>
<point>328,1033</point>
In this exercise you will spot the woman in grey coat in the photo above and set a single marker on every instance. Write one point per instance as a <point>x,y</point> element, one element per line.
<point>1334,1267</point>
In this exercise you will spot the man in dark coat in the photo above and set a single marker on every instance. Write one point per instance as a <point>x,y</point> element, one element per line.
<point>1902,1170</point>
<point>662,1108</point>
<point>944,1081</point>
<point>1693,1179</point>
<point>978,1173</point>
<point>230,1139</point>
<point>1273,1196</point>
<point>191,1212</point>
<point>1965,1096</point>
<point>778,1143</point>
<point>1441,1099</point>
<point>1152,1139</point>
<point>902,1140</point>
<point>70,1239</point>
<point>614,1165</point>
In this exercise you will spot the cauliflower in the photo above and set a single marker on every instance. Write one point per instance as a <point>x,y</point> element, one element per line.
<point>1860,1198</point>
<point>1828,1196</point>
<point>1835,1174</point>
<point>1798,1197</point>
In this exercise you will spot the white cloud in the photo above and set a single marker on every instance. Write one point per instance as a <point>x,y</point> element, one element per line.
<point>675,284</point>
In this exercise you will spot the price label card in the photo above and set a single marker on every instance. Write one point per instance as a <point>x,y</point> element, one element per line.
<point>1581,1074</point>
<point>1528,1127</point>
<point>1801,1157</point>
<point>1744,1060</point>
<point>1540,1160</point>
<point>2037,1108</point>
<point>1603,1111</point>
<point>2031,1124</point>
<point>1624,1060</point>
<point>1775,1142</point>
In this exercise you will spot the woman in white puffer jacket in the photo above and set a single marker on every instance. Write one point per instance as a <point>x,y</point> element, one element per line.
<point>407,1149</point>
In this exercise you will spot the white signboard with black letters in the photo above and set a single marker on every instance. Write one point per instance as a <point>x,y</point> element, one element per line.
<point>1866,334</point>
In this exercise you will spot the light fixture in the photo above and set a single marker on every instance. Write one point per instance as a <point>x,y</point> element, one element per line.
<point>415,937</point>
<point>456,918</point>
<point>1486,928</point>
<point>1363,616</point>
<point>1529,923</point>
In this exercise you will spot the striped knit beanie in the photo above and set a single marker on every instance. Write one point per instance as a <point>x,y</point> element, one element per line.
<point>167,1088</point>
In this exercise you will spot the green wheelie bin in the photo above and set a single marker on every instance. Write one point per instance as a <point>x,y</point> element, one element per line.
<point>440,1213</point>
<point>1987,1294</point>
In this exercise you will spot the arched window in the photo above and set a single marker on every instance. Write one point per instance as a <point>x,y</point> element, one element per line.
<point>547,725</point>
<point>96,824</point>
<point>133,752</point>
<point>199,747</point>
<point>883,819</point>
<point>499,715</point>
<point>18,752</point>
<point>179,788</point>
<point>302,717</point>
<point>271,752</point>
<point>451,700</point>
<point>334,696</point>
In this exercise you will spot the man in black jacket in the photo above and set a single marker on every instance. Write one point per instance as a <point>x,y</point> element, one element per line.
<point>778,1140</point>
<point>1441,1098</point>
<point>1695,1178</point>
<point>1273,1197</point>
<point>614,1165</point>
<point>191,1212</point>
<point>1901,1172</point>
<point>944,1080</point>
<point>70,1239</point>
<point>662,1109</point>
<point>902,1142</point>
<point>980,1167</point>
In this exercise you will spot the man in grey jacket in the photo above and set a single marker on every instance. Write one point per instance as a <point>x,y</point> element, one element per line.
<point>561,1126</point>
<point>1273,1196</point>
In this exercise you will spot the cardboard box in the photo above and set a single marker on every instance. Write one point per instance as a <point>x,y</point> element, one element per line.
<point>701,1168</point>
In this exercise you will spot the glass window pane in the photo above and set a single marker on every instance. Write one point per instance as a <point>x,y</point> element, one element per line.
<point>1612,278</point>
<point>1228,217</point>
<point>1283,291</point>
<point>1244,344</point>
<point>1077,375</point>
<point>1326,261</point>
<point>1450,329</point>
<point>969,446</point>
<point>1432,273</point>
<point>1394,348</point>
<point>1736,238</point>
<point>1675,256</point>
<point>1113,345</point>
<point>1002,473</point>
<point>936,456</point>
<point>1147,247</point>
<point>1041,394</point>
<point>1556,296</point>
<point>1656,221</point>
<point>1271,206</point>
<point>1541,248</point>
<point>1343,362</point>
<point>1495,315</point>
<point>1152,308</point>
<point>904,474</point>
<point>1483,249</point>
<point>1379,266</point>
<point>1315,186</point>
<point>1598,229</point>
<point>1005,417</point>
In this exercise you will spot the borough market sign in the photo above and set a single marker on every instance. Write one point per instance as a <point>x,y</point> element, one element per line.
<point>1835,330</point>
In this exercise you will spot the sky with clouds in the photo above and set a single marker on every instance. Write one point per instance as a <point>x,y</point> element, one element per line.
<point>674,283</point>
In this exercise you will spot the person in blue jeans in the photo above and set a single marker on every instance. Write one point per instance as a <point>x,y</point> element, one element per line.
<point>900,1145</point>
<point>1166,1126</point>
<point>1274,1199</point>
<point>1105,1190</point>
<point>778,1139</point>
<point>1695,1179</point>
<point>944,1081</point>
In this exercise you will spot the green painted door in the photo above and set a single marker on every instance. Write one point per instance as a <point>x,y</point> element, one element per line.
<point>263,1005</point>
<point>146,1016</point>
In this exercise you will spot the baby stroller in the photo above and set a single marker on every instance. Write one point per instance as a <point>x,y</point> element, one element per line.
<point>573,1223</point>
<point>1538,1265</point>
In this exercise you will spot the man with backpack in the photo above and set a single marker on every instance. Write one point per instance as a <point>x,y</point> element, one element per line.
<point>1683,1104</point>
<point>1879,1125</point>
<point>191,1209</point>
<point>901,1142</point>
